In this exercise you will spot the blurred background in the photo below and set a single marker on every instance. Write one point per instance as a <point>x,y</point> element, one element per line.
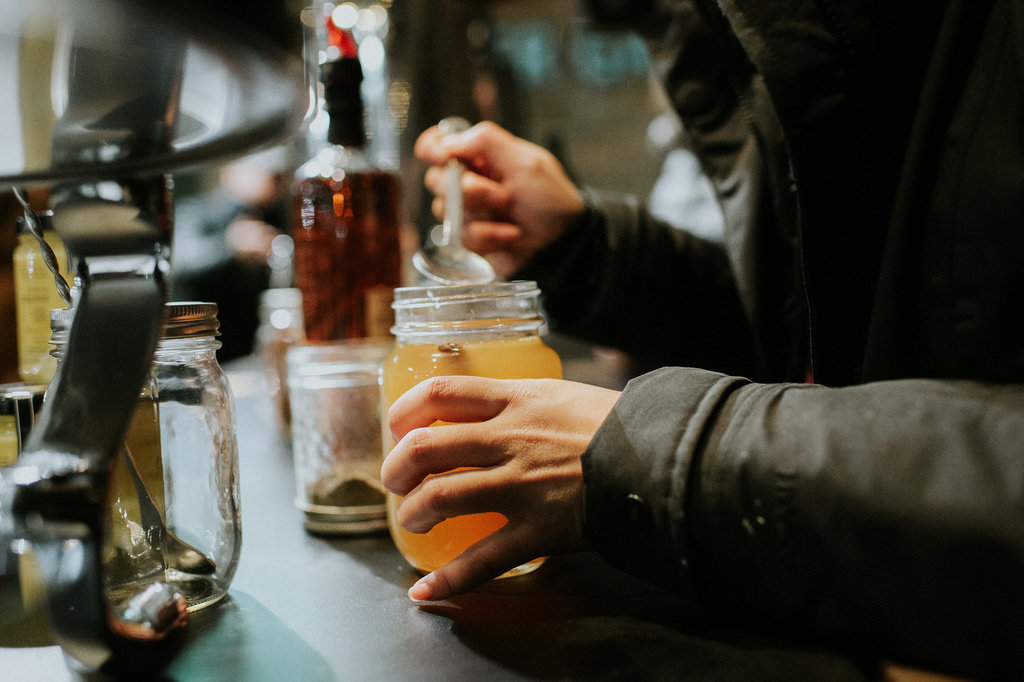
<point>544,69</point>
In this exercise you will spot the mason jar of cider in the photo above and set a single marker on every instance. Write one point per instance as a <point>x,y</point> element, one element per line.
<point>486,330</point>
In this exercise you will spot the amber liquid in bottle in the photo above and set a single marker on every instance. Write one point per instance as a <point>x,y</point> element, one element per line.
<point>347,252</point>
<point>345,223</point>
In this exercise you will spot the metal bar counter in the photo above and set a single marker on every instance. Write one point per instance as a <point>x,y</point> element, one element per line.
<point>307,608</point>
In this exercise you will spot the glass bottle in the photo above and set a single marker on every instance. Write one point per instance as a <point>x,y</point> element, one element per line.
<point>280,328</point>
<point>19,406</point>
<point>175,518</point>
<point>35,294</point>
<point>345,215</point>
<point>487,330</point>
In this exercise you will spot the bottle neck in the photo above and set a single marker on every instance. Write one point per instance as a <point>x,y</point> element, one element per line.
<point>343,102</point>
<point>346,130</point>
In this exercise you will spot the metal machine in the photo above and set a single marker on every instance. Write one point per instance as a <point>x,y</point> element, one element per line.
<point>100,100</point>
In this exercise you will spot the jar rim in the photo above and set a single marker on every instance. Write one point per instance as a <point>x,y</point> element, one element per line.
<point>336,358</point>
<point>182,319</point>
<point>432,296</point>
<point>497,309</point>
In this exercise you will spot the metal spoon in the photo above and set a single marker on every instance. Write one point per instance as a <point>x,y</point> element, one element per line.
<point>177,553</point>
<point>442,257</point>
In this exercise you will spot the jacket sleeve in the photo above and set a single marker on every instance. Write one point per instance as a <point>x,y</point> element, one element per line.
<point>622,278</point>
<point>887,517</point>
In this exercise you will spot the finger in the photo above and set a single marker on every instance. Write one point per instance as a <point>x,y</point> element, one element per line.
<point>437,207</point>
<point>486,148</point>
<point>456,493</point>
<point>485,560</point>
<point>484,196</point>
<point>449,399</point>
<point>436,450</point>
<point>487,236</point>
<point>428,147</point>
<point>434,179</point>
<point>435,147</point>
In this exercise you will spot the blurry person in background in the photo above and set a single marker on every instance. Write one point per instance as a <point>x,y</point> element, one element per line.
<point>223,239</point>
<point>835,443</point>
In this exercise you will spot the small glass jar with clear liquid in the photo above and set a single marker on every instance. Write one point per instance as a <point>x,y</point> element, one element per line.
<point>174,495</point>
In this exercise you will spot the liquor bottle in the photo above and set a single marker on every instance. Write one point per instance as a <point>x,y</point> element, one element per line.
<point>345,222</point>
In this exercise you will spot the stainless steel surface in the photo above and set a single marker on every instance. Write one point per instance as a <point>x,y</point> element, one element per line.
<point>100,99</point>
<point>443,258</point>
<point>60,480</point>
<point>100,88</point>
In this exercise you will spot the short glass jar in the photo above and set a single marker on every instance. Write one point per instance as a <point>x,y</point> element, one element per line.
<point>334,388</point>
<point>174,495</point>
<point>486,330</point>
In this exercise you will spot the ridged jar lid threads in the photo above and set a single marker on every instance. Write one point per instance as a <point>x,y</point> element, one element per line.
<point>192,318</point>
<point>513,304</point>
<point>184,319</point>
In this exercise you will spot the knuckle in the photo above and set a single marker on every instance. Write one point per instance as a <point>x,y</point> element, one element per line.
<point>439,496</point>
<point>441,388</point>
<point>420,446</point>
<point>489,129</point>
<point>406,518</point>
<point>533,164</point>
<point>444,583</point>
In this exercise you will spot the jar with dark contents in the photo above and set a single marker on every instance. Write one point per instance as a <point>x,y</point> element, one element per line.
<point>487,330</point>
<point>334,391</point>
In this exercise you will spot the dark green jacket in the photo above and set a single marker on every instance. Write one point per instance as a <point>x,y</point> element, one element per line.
<point>869,159</point>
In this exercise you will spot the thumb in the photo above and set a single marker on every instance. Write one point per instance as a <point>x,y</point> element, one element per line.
<point>479,563</point>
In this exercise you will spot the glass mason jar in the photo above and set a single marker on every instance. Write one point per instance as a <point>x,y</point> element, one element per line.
<point>334,388</point>
<point>174,498</point>
<point>487,330</point>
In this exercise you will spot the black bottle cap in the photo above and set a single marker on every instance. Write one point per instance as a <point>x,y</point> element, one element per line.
<point>342,80</point>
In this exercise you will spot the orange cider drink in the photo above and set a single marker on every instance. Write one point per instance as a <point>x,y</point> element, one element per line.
<point>495,347</point>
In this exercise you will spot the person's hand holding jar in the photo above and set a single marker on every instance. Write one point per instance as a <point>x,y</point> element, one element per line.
<point>523,439</point>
